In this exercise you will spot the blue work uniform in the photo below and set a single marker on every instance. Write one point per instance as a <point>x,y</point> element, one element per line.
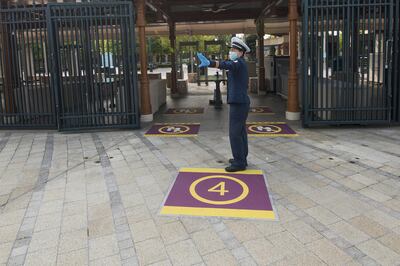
<point>239,103</point>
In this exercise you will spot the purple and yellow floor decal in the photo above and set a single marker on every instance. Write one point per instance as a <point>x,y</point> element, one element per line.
<point>184,111</point>
<point>174,130</point>
<point>270,129</point>
<point>261,110</point>
<point>214,192</point>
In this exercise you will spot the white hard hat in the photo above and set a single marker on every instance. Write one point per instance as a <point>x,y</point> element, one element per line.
<point>239,44</point>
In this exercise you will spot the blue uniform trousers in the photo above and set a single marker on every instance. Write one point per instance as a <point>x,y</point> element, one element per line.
<point>238,113</point>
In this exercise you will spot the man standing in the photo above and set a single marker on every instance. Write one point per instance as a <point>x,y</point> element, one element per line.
<point>238,100</point>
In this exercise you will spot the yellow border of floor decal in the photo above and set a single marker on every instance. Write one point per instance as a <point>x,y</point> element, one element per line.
<point>220,171</point>
<point>179,206</point>
<point>271,123</point>
<point>274,135</point>
<point>166,136</point>
<point>238,213</point>
<point>173,123</point>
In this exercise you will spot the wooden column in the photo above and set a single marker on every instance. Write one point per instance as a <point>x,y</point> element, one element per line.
<point>293,111</point>
<point>261,67</point>
<point>145,104</point>
<point>172,39</point>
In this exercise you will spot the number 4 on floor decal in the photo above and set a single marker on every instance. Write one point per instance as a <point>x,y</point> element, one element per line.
<point>219,188</point>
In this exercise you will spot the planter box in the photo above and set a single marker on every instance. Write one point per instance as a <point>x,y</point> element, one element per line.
<point>151,76</point>
<point>182,87</point>
<point>158,93</point>
<point>169,78</point>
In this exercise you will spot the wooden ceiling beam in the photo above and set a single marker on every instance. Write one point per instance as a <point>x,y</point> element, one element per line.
<point>277,12</point>
<point>198,2</point>
<point>160,6</point>
<point>267,6</point>
<point>194,16</point>
<point>271,9</point>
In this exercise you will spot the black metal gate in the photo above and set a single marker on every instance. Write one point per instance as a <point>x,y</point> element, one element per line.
<point>26,99</point>
<point>68,65</point>
<point>396,65</point>
<point>348,52</point>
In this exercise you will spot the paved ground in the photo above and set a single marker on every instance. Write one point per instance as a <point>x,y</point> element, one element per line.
<point>93,198</point>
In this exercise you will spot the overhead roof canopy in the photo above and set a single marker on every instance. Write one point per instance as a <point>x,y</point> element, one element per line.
<point>218,10</point>
<point>198,10</point>
<point>205,16</point>
<point>216,16</point>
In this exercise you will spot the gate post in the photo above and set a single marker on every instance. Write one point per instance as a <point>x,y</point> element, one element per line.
<point>293,111</point>
<point>261,67</point>
<point>145,106</point>
<point>396,68</point>
<point>172,39</point>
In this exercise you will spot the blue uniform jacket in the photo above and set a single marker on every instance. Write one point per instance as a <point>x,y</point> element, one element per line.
<point>238,80</point>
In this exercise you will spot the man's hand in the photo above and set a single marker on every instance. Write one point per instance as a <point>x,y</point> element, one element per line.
<point>204,62</point>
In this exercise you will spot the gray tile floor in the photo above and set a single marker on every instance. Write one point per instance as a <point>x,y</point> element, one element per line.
<point>93,198</point>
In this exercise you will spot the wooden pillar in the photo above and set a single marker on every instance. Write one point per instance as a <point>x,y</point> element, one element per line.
<point>145,104</point>
<point>293,111</point>
<point>172,39</point>
<point>261,67</point>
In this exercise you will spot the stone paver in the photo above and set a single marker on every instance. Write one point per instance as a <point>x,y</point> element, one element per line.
<point>220,258</point>
<point>349,232</point>
<point>263,252</point>
<point>379,252</point>
<point>151,251</point>
<point>94,198</point>
<point>5,250</point>
<point>306,258</point>
<point>302,231</point>
<point>73,258</point>
<point>44,257</point>
<point>173,232</point>
<point>102,247</point>
<point>183,253</point>
<point>243,230</point>
<point>392,241</point>
<point>207,241</point>
<point>329,253</point>
<point>144,230</point>
<point>368,226</point>
<point>72,241</point>
<point>323,215</point>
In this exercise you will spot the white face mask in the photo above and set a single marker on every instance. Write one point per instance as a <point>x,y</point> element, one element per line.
<point>233,55</point>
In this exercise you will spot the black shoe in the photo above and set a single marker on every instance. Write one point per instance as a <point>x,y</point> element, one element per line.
<point>231,161</point>
<point>232,168</point>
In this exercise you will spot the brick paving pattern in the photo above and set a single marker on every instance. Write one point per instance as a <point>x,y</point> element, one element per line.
<point>93,198</point>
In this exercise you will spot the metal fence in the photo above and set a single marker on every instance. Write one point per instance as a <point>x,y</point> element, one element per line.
<point>26,96</point>
<point>68,66</point>
<point>396,64</point>
<point>350,61</point>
